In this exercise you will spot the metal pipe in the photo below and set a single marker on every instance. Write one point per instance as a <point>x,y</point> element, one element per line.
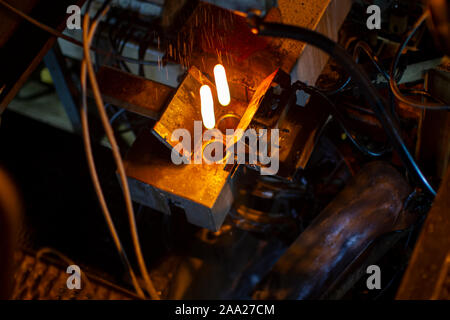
<point>368,207</point>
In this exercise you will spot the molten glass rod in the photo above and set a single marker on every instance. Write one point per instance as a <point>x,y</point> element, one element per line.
<point>207,107</point>
<point>223,91</point>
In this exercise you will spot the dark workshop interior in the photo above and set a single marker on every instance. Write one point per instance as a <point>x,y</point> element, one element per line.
<point>354,103</point>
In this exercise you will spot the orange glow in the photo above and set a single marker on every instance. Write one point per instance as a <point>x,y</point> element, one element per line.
<point>223,91</point>
<point>208,117</point>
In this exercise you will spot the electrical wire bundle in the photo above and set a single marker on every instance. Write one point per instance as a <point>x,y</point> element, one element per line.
<point>124,30</point>
<point>360,78</point>
<point>359,46</point>
<point>87,69</point>
<point>334,111</point>
<point>391,77</point>
<point>61,35</point>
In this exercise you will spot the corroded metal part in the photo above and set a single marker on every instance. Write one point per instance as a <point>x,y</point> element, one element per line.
<point>368,207</point>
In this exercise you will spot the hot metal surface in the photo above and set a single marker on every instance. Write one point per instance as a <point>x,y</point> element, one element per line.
<point>184,107</point>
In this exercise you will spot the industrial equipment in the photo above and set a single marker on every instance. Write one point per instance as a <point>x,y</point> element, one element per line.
<point>235,149</point>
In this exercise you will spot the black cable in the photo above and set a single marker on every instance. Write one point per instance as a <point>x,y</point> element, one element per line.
<point>364,47</point>
<point>340,87</point>
<point>359,77</point>
<point>337,115</point>
<point>115,42</point>
<point>116,115</point>
<point>125,39</point>
<point>393,84</point>
<point>143,45</point>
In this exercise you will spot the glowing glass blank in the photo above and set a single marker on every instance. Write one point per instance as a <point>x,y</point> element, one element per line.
<point>223,91</point>
<point>207,105</point>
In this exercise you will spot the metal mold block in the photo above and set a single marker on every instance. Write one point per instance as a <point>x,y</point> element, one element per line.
<point>203,191</point>
<point>184,107</point>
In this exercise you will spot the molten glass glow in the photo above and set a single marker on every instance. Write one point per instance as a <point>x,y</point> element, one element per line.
<point>223,91</point>
<point>208,117</point>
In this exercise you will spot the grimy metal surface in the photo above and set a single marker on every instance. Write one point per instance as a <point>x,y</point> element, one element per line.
<point>368,207</point>
<point>136,94</point>
<point>428,273</point>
